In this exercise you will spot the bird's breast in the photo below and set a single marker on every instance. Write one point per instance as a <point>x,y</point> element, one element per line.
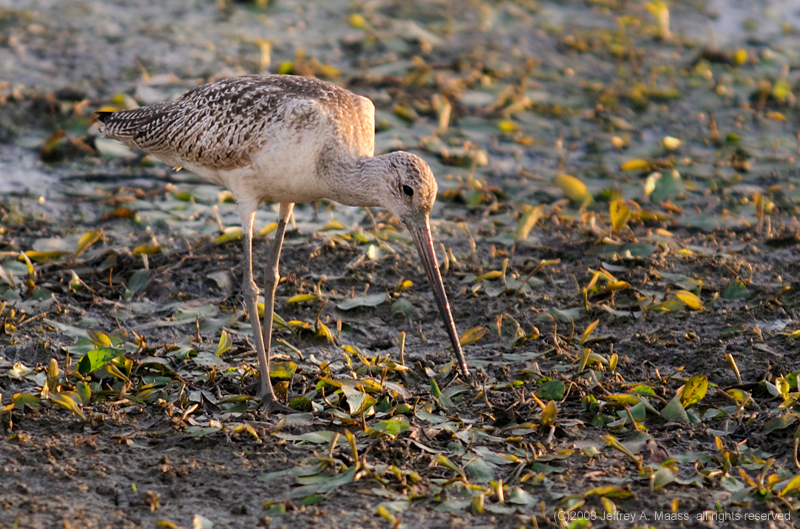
<point>273,174</point>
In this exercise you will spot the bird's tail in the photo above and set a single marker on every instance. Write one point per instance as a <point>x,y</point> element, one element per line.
<point>102,116</point>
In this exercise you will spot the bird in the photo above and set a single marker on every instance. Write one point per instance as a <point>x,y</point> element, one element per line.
<point>287,139</point>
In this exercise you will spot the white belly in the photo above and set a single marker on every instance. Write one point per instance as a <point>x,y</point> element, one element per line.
<point>274,176</point>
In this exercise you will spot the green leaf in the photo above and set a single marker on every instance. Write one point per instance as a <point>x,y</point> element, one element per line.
<point>663,187</point>
<point>392,427</point>
<point>735,290</point>
<point>357,401</point>
<point>520,496</point>
<point>278,475</point>
<point>84,391</point>
<point>663,477</point>
<point>551,390</point>
<point>435,389</point>
<point>301,404</point>
<point>674,411</point>
<point>446,463</point>
<point>373,300</point>
<point>282,370</point>
<point>311,499</point>
<point>480,470</point>
<point>138,280</point>
<point>638,250</point>
<point>779,423</point>
<point>404,307</point>
<point>26,399</point>
<point>201,431</point>
<point>326,485</point>
<point>96,358</point>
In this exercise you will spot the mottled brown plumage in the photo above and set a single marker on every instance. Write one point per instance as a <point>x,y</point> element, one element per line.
<point>286,139</point>
<point>224,125</point>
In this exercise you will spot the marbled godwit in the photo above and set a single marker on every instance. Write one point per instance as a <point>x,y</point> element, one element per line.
<point>287,139</point>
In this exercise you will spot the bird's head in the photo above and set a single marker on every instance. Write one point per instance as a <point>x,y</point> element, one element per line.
<point>410,187</point>
<point>410,196</point>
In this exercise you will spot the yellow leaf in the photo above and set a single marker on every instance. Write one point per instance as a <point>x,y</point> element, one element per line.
<point>88,239</point>
<point>589,330</point>
<point>694,390</point>
<point>334,225</point>
<point>358,21</point>
<point>623,398</point>
<point>783,387</point>
<point>668,306</point>
<point>231,234</point>
<point>384,513</point>
<point>671,143</point>
<point>282,370</point>
<point>635,164</point>
<point>446,463</point>
<point>738,395</point>
<point>740,57</point>
<point>147,249</point>
<point>29,264</point>
<point>323,331</point>
<point>405,284</point>
<point>620,214</point>
<point>691,301</point>
<point>45,256</point>
<point>549,414</point>
<point>301,298</point>
<point>792,486</point>
<point>575,190</point>
<point>613,443</point>
<point>472,335</point>
<point>68,402</point>
<point>99,339</point>
<point>527,221</point>
<point>269,228</point>
<point>494,274</point>
<point>507,125</point>
<point>300,325</point>
<point>224,344</point>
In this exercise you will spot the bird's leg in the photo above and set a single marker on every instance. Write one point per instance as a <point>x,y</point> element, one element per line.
<point>271,278</point>
<point>247,212</point>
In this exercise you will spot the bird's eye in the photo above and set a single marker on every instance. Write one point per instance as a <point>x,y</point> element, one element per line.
<point>408,190</point>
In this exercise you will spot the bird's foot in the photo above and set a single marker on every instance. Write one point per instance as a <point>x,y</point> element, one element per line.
<point>270,404</point>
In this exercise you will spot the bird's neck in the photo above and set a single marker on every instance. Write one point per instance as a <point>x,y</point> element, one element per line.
<point>357,182</point>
